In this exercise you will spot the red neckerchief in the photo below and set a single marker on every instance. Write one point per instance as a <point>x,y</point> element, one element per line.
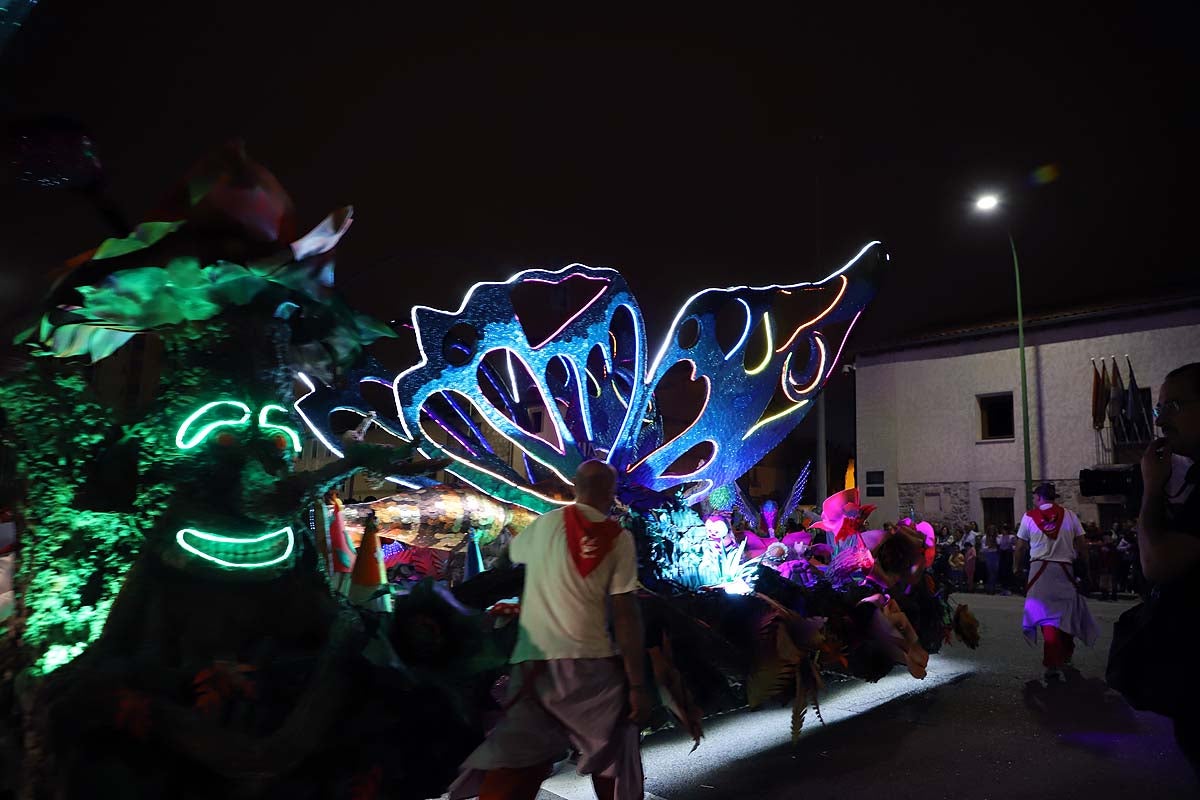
<point>589,542</point>
<point>1050,520</point>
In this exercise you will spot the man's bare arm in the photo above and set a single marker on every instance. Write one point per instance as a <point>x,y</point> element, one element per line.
<point>627,624</point>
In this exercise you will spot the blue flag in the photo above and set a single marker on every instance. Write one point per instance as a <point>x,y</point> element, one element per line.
<point>1133,402</point>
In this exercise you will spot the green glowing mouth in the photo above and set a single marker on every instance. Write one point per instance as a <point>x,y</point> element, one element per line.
<point>238,552</point>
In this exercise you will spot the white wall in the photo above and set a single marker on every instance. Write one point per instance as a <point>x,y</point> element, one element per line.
<point>918,417</point>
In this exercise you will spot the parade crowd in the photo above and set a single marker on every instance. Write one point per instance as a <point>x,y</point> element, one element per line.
<point>991,562</point>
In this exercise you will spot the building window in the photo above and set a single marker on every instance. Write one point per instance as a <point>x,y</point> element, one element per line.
<point>875,483</point>
<point>535,418</point>
<point>996,416</point>
<point>932,503</point>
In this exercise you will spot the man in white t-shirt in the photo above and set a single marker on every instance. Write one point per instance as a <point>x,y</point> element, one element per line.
<point>1053,605</point>
<point>568,685</point>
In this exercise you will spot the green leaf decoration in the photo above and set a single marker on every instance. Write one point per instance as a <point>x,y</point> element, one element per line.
<point>143,236</point>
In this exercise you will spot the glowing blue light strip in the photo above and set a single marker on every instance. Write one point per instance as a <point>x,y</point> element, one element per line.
<point>745,330</point>
<point>312,390</point>
<point>469,422</point>
<point>585,398</point>
<point>436,417</point>
<point>513,441</point>
<point>512,378</point>
<point>592,378</point>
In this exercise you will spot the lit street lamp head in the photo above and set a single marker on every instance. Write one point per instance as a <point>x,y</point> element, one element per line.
<point>987,202</point>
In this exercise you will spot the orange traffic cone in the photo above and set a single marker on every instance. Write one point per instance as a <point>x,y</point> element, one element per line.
<point>368,583</point>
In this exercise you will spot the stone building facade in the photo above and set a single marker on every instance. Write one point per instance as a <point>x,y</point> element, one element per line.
<point>923,411</point>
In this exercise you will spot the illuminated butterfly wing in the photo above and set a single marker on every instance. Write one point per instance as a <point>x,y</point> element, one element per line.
<point>518,410</point>
<point>745,507</point>
<point>797,493</point>
<point>758,388</point>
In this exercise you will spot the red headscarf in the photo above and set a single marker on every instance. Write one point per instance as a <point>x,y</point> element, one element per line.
<point>589,542</point>
<point>1050,520</point>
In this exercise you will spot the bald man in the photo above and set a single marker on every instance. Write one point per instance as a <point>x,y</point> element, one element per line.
<point>569,686</point>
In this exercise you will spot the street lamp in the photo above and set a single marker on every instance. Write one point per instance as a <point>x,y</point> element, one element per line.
<point>986,204</point>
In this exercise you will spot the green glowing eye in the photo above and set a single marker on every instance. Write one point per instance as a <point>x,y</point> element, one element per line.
<point>187,438</point>
<point>290,433</point>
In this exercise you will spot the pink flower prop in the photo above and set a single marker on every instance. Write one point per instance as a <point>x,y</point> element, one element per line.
<point>842,516</point>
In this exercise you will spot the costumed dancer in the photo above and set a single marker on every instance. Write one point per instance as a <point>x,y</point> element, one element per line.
<point>340,544</point>
<point>1053,604</point>
<point>568,688</point>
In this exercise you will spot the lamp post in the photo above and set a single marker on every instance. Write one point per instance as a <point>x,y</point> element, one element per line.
<point>986,204</point>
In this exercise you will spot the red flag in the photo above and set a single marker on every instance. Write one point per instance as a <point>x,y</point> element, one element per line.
<point>1116,392</point>
<point>1105,388</point>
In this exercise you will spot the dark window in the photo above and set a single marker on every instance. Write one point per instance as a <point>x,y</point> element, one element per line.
<point>997,511</point>
<point>996,416</point>
<point>875,476</point>
<point>874,491</point>
<point>535,417</point>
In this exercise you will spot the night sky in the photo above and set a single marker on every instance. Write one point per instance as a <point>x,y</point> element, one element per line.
<point>684,150</point>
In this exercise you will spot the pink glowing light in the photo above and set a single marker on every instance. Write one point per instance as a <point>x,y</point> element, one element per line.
<point>573,317</point>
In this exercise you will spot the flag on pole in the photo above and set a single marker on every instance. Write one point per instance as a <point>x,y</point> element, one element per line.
<point>1133,404</point>
<point>1116,404</point>
<point>1116,396</point>
<point>1098,399</point>
<point>1105,385</point>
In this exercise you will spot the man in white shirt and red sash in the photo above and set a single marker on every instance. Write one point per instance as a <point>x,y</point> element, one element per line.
<point>1053,604</point>
<point>569,687</point>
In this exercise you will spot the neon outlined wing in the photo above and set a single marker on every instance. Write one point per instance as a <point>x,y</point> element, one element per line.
<point>797,493</point>
<point>478,368</point>
<point>745,507</point>
<point>738,420</point>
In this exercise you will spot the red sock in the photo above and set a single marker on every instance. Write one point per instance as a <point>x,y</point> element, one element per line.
<point>1057,647</point>
<point>520,783</point>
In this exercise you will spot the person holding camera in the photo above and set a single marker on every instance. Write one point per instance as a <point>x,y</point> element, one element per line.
<point>1053,604</point>
<point>1154,656</point>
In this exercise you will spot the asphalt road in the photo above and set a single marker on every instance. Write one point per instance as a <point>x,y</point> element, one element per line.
<point>981,725</point>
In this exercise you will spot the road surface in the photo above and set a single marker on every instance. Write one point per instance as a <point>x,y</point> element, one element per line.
<point>981,725</point>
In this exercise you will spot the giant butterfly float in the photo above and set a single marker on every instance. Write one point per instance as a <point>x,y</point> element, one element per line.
<point>597,380</point>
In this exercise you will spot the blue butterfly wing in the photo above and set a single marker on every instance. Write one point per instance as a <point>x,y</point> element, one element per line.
<point>471,395</point>
<point>752,399</point>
